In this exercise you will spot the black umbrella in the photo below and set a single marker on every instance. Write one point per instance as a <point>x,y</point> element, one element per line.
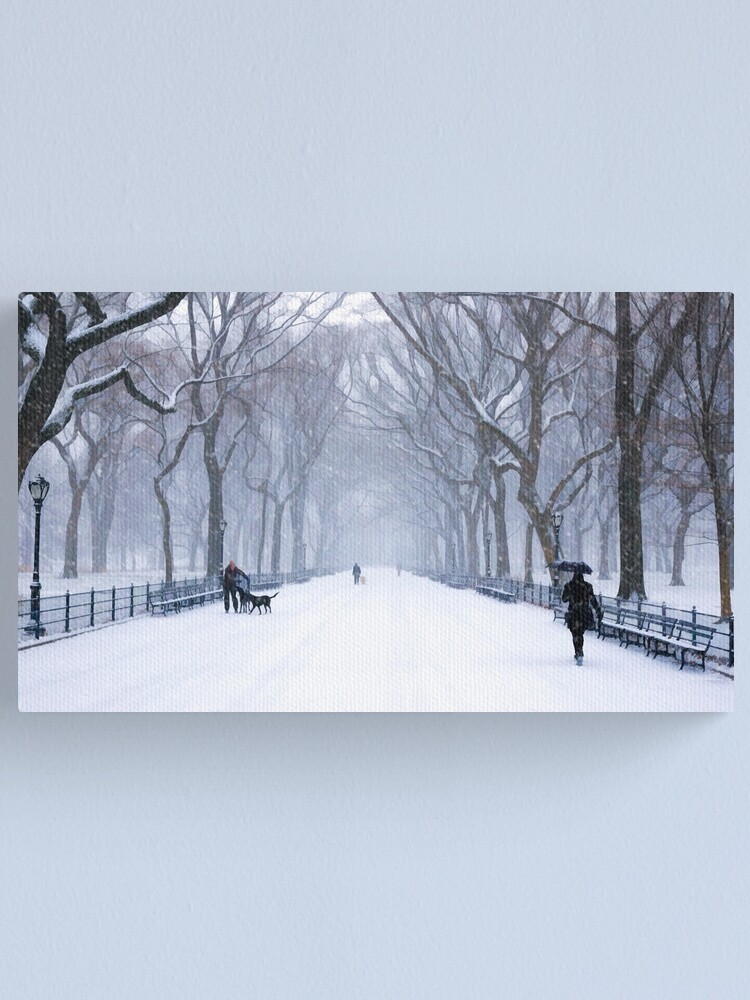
<point>570,567</point>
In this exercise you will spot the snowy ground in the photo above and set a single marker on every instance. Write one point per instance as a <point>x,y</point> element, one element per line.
<point>396,644</point>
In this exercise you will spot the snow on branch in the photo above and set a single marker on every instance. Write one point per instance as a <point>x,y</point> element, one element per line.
<point>90,336</point>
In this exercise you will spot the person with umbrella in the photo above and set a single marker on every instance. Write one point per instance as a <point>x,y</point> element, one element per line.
<point>579,595</point>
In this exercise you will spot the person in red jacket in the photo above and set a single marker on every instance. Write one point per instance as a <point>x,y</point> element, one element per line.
<point>230,585</point>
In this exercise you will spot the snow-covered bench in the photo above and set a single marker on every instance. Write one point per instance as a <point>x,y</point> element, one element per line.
<point>685,637</point>
<point>169,599</point>
<point>497,593</point>
<point>193,597</point>
<point>657,634</point>
<point>635,626</point>
<point>623,624</point>
<point>175,599</point>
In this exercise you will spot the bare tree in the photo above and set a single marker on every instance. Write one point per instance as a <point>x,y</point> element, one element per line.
<point>80,468</point>
<point>705,369</point>
<point>645,354</point>
<point>510,363</point>
<point>53,331</point>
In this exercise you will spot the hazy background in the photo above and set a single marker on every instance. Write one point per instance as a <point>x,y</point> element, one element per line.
<point>352,146</point>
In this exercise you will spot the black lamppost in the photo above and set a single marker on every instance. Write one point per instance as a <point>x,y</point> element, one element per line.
<point>38,488</point>
<point>222,528</point>
<point>557,520</point>
<point>487,540</point>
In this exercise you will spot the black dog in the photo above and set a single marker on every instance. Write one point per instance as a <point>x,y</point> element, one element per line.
<point>257,600</point>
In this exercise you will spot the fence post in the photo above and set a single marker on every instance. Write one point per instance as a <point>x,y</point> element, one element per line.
<point>148,595</point>
<point>91,619</point>
<point>67,611</point>
<point>731,640</point>
<point>113,604</point>
<point>132,601</point>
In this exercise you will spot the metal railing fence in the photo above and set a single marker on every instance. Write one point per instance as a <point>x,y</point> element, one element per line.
<point>547,595</point>
<point>70,612</point>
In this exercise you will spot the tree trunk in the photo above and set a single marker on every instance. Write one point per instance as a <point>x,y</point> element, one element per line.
<point>166,531</point>
<point>195,540</point>
<point>214,555</point>
<point>102,515</point>
<point>262,533</point>
<point>678,548</point>
<point>724,536</point>
<point>459,536</point>
<point>501,528</point>
<point>44,389</point>
<point>297,509</point>
<point>471,517</point>
<point>70,566</point>
<point>278,521</point>
<point>630,469</point>
<point>528,554</point>
<point>604,530</point>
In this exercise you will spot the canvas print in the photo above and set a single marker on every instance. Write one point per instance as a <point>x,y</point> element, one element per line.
<point>375,502</point>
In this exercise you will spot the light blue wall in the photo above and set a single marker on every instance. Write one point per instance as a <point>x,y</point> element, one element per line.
<point>356,145</point>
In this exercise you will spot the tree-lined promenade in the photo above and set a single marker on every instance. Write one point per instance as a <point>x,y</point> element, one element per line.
<point>432,428</point>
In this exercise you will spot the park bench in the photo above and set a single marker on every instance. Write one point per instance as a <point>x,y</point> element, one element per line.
<point>559,611</point>
<point>193,596</point>
<point>624,624</point>
<point>613,620</point>
<point>657,634</point>
<point>497,593</point>
<point>633,627</point>
<point>175,598</point>
<point>683,636</point>
<point>169,599</point>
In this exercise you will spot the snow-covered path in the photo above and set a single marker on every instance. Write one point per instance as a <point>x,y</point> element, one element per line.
<point>396,644</point>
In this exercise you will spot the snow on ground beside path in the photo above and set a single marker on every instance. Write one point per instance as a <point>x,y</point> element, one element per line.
<point>701,590</point>
<point>53,586</point>
<point>395,644</point>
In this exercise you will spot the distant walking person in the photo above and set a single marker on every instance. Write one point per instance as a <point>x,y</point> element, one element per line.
<point>230,585</point>
<point>398,570</point>
<point>578,594</point>
<point>356,573</point>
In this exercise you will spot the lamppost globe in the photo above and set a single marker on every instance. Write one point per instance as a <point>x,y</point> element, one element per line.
<point>39,488</point>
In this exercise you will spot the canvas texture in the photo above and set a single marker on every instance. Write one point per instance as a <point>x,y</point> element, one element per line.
<point>375,502</point>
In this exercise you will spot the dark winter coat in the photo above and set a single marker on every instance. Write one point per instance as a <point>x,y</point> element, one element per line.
<point>356,571</point>
<point>579,595</point>
<point>230,578</point>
